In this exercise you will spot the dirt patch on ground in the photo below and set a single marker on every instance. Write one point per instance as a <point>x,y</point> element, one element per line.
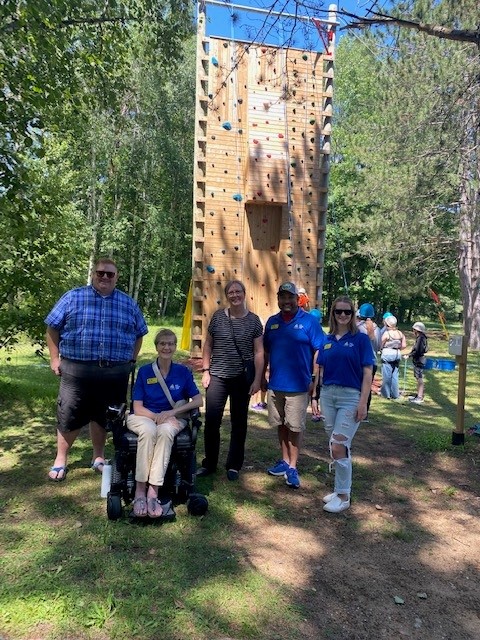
<point>403,562</point>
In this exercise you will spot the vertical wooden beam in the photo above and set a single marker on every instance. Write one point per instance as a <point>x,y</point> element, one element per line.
<point>199,183</point>
<point>325,149</point>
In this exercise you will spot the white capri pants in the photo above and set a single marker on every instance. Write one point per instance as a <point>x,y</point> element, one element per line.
<point>154,446</point>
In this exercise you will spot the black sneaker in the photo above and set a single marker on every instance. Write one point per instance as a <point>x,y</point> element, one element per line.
<point>232,475</point>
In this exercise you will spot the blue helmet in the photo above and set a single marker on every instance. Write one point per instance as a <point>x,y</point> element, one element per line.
<point>366,310</point>
<point>316,313</point>
<point>387,314</point>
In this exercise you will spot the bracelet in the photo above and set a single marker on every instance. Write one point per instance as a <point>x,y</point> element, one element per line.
<point>205,370</point>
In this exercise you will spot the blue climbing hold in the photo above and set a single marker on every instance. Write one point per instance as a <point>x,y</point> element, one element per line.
<point>238,197</point>
<point>210,269</point>
<point>227,126</point>
<point>214,61</point>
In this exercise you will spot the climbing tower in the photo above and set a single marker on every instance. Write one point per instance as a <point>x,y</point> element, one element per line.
<point>262,151</point>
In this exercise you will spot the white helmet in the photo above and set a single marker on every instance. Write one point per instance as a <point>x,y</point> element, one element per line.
<point>419,326</point>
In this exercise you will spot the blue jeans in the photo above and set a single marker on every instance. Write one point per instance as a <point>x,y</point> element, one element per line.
<point>390,379</point>
<point>339,406</point>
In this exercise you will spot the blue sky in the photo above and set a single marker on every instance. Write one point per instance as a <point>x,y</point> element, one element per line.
<point>252,26</point>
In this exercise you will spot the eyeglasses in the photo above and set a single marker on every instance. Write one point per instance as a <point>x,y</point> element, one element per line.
<point>166,344</point>
<point>235,293</point>
<point>102,274</point>
<point>347,312</point>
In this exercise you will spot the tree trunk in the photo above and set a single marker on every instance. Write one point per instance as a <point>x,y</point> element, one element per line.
<point>469,250</point>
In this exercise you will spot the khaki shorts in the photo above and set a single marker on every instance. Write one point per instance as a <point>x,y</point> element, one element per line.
<point>289,409</point>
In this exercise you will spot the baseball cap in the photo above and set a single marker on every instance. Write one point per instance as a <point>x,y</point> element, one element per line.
<point>288,287</point>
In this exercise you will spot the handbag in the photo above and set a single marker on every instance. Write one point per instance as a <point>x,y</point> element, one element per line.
<point>248,365</point>
<point>167,393</point>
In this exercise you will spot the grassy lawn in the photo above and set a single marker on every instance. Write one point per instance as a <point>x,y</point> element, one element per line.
<point>67,572</point>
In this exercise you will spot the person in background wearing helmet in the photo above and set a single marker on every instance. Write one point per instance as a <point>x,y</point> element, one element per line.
<point>365,324</point>
<point>417,354</point>
<point>393,342</point>
<point>303,299</point>
<point>386,315</point>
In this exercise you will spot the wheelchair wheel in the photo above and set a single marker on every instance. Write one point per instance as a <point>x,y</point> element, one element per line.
<point>114,507</point>
<point>197,504</point>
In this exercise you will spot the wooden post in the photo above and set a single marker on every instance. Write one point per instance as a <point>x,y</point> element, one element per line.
<point>458,435</point>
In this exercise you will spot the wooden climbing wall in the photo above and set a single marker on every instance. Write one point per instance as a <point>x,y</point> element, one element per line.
<point>261,174</point>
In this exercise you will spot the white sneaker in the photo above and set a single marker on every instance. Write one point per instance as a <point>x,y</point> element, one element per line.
<point>417,400</point>
<point>337,505</point>
<point>412,397</point>
<point>329,497</point>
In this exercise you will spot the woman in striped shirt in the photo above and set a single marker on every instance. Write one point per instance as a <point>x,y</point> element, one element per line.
<point>233,347</point>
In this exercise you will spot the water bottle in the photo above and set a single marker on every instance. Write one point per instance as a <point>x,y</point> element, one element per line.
<point>106,479</point>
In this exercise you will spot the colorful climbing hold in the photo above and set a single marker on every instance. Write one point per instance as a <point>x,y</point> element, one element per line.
<point>210,269</point>
<point>238,197</point>
<point>280,135</point>
<point>305,57</point>
<point>214,61</point>
<point>227,126</point>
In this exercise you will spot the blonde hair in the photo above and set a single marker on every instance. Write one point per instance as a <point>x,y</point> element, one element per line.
<point>332,320</point>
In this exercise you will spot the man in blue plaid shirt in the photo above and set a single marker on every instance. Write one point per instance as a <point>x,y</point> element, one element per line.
<point>94,335</point>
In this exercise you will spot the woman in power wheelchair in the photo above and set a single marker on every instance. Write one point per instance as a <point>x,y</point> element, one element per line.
<point>163,396</point>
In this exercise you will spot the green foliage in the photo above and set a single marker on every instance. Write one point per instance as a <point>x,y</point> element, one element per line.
<point>96,150</point>
<point>395,179</point>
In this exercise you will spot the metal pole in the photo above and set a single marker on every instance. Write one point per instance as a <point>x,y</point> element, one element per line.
<point>458,435</point>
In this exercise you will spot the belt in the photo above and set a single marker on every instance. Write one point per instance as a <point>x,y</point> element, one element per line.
<point>103,364</point>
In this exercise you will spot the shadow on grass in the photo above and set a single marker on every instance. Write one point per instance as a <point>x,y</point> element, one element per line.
<point>266,562</point>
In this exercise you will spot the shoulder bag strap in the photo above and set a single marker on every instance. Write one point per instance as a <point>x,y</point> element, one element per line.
<point>233,337</point>
<point>162,383</point>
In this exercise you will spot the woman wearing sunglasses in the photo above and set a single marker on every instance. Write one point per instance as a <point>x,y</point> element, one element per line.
<point>344,376</point>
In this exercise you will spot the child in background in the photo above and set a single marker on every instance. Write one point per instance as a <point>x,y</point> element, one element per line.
<point>417,354</point>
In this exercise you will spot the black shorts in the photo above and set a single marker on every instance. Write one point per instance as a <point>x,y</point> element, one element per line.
<point>86,391</point>
<point>418,370</point>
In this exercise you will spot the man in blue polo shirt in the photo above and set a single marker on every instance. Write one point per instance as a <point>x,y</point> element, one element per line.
<point>291,340</point>
<point>94,334</point>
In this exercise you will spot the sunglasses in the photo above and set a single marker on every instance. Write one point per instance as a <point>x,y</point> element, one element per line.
<point>102,274</point>
<point>347,312</point>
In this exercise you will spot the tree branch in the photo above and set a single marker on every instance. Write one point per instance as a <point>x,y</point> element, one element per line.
<point>459,35</point>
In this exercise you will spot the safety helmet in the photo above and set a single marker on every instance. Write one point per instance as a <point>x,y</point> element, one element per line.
<point>316,313</point>
<point>366,310</point>
<point>387,314</point>
<point>419,326</point>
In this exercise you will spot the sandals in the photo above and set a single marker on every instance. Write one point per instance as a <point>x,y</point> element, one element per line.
<point>97,465</point>
<point>154,507</point>
<point>140,507</point>
<point>58,470</point>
